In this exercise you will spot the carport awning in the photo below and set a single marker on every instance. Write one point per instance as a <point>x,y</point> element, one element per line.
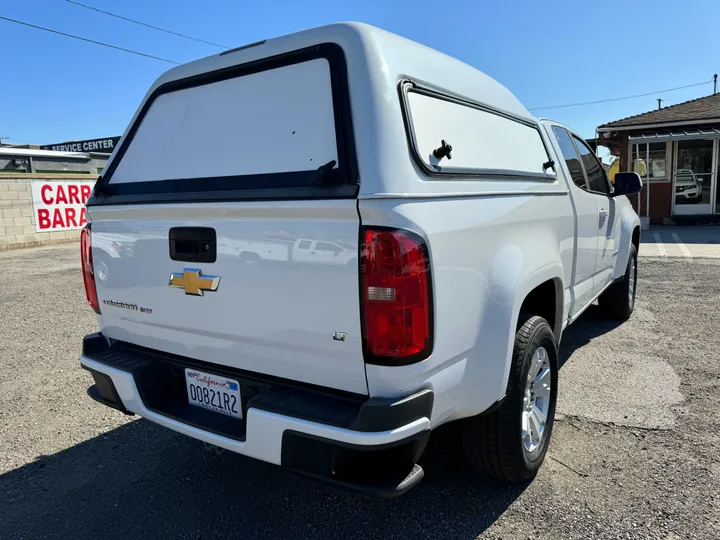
<point>676,134</point>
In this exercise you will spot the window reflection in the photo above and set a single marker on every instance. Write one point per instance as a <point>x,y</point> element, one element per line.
<point>694,172</point>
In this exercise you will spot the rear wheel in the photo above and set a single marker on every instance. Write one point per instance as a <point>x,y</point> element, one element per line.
<point>618,301</point>
<point>510,443</point>
<point>101,271</point>
<point>250,258</point>
<point>101,268</point>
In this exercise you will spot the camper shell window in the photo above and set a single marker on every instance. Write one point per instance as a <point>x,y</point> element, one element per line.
<point>276,128</point>
<point>484,141</point>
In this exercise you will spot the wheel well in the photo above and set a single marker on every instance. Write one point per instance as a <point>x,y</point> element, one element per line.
<point>636,239</point>
<point>543,301</point>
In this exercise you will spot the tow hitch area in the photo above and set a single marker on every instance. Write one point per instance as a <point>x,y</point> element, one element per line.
<point>383,471</point>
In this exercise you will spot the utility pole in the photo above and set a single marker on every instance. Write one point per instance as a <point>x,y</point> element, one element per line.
<point>659,103</point>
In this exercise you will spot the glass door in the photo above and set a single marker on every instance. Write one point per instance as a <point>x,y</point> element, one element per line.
<point>717,178</point>
<point>695,177</point>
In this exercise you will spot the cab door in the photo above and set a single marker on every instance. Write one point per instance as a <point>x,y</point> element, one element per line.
<point>582,288</point>
<point>608,220</point>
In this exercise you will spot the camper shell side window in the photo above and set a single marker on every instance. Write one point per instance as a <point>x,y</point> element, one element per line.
<point>450,136</point>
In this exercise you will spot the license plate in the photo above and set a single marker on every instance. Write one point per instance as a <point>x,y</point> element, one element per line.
<point>213,392</point>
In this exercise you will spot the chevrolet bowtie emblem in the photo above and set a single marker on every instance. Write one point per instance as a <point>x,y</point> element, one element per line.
<point>193,283</point>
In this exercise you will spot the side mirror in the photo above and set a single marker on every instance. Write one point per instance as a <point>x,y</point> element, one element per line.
<point>627,183</point>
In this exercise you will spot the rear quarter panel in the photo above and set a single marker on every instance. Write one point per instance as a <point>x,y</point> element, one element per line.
<point>629,221</point>
<point>486,253</point>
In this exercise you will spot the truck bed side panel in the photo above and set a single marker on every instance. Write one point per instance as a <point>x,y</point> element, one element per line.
<point>487,253</point>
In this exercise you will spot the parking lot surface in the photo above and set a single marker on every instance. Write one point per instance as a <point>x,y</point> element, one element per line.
<point>635,451</point>
<point>684,242</point>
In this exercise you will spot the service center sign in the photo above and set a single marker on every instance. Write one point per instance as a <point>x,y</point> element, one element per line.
<point>60,206</point>
<point>102,146</point>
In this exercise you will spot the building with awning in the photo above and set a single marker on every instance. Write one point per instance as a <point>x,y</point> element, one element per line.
<point>71,157</point>
<point>676,150</point>
<point>19,161</point>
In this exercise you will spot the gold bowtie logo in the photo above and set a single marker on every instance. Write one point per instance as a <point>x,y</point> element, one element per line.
<point>193,283</point>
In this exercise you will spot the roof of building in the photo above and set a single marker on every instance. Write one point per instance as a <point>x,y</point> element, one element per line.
<point>704,108</point>
<point>32,152</point>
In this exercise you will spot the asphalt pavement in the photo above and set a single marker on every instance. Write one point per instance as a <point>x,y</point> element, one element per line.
<point>634,452</point>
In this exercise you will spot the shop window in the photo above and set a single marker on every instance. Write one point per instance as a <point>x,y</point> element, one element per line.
<point>658,164</point>
<point>47,171</point>
<point>717,191</point>
<point>693,175</point>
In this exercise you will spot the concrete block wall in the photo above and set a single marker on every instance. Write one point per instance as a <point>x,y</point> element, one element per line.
<point>17,222</point>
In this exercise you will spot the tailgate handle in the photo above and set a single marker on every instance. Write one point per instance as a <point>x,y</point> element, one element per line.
<point>193,244</point>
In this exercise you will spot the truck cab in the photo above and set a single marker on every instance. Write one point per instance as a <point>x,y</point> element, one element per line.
<point>384,241</point>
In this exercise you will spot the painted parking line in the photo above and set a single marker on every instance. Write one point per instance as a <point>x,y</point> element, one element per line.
<point>683,248</point>
<point>659,245</point>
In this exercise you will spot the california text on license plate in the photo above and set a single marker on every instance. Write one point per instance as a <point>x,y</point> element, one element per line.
<point>213,392</point>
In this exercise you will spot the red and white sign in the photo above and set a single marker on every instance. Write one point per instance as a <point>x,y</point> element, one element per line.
<point>60,206</point>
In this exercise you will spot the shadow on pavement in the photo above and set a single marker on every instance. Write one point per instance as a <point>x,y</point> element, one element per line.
<point>141,480</point>
<point>590,325</point>
<point>144,481</point>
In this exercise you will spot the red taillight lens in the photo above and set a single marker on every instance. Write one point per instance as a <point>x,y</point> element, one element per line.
<point>87,268</point>
<point>396,297</point>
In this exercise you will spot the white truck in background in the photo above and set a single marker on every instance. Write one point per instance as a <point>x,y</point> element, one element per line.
<point>470,235</point>
<point>302,250</point>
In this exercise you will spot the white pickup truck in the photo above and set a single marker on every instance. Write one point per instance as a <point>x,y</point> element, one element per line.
<point>477,233</point>
<point>306,250</point>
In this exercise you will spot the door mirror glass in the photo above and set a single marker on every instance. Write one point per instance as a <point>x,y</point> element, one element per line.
<point>627,183</point>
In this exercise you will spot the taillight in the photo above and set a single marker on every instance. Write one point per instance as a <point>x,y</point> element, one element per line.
<point>396,297</point>
<point>87,268</point>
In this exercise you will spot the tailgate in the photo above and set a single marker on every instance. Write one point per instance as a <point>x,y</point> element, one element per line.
<point>277,309</point>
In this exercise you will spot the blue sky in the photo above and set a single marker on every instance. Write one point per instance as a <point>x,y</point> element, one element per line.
<point>54,89</point>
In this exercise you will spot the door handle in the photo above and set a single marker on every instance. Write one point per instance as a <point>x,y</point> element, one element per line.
<point>602,215</point>
<point>193,244</point>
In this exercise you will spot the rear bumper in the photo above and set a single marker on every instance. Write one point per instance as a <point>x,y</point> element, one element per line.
<point>367,444</point>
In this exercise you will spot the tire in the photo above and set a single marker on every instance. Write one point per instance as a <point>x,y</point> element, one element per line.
<point>102,269</point>
<point>495,444</point>
<point>250,258</point>
<point>618,302</point>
